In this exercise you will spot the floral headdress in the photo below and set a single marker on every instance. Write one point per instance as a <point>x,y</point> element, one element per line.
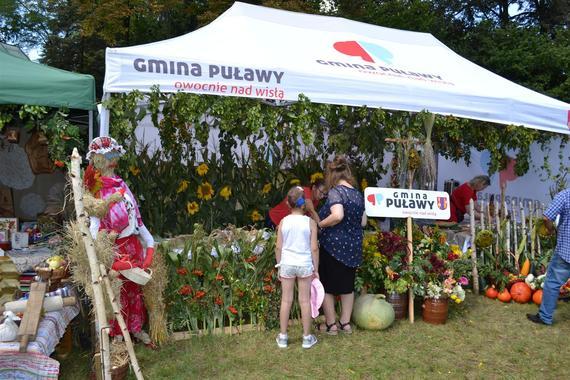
<point>103,145</point>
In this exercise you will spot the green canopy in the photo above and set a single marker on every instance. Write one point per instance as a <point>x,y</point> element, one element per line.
<point>26,82</point>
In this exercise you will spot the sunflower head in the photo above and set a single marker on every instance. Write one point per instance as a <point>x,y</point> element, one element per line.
<point>202,169</point>
<point>266,188</point>
<point>205,191</point>
<point>192,208</point>
<point>182,187</point>
<point>256,216</point>
<point>226,192</point>
<point>295,182</point>
<point>317,176</point>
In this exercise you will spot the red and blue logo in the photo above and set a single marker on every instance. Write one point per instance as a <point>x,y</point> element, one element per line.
<point>365,50</point>
<point>374,199</point>
<point>442,203</point>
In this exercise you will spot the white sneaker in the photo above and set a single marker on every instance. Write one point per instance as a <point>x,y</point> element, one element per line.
<point>282,340</point>
<point>309,341</point>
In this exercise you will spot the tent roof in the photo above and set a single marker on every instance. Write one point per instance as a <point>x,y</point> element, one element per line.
<point>25,82</point>
<point>13,50</point>
<point>267,53</point>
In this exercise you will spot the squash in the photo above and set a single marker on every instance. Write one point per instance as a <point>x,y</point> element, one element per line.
<point>525,268</point>
<point>372,312</point>
<point>537,297</point>
<point>504,296</point>
<point>521,292</point>
<point>491,292</point>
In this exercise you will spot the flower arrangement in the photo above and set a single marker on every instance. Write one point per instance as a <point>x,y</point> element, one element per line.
<point>440,269</point>
<point>393,246</point>
<point>370,275</point>
<point>219,279</point>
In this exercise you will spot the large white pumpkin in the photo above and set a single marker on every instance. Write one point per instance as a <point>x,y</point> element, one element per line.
<point>372,312</point>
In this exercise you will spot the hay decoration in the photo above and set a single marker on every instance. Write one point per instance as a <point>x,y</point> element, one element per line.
<point>119,354</point>
<point>153,293</point>
<point>79,262</point>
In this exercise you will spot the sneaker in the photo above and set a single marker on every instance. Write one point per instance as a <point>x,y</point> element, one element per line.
<point>282,340</point>
<point>309,341</point>
<point>536,319</point>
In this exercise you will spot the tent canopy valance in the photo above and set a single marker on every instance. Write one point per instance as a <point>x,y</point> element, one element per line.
<point>26,82</point>
<point>260,52</point>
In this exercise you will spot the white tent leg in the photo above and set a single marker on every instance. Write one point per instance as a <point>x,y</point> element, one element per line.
<point>104,115</point>
<point>90,128</point>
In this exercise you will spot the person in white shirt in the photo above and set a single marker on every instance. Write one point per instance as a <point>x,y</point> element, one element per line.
<point>297,255</point>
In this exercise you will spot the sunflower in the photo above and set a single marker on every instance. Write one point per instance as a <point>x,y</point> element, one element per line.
<point>266,188</point>
<point>226,192</point>
<point>192,208</point>
<point>363,184</point>
<point>134,170</point>
<point>202,169</point>
<point>295,182</point>
<point>317,176</point>
<point>256,216</point>
<point>183,186</point>
<point>205,191</point>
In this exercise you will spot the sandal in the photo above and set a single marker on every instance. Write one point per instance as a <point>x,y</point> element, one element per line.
<point>343,328</point>
<point>324,327</point>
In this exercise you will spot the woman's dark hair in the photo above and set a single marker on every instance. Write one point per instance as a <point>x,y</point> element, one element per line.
<point>338,169</point>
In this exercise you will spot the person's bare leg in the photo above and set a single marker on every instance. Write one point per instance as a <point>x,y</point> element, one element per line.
<point>304,285</point>
<point>287,289</point>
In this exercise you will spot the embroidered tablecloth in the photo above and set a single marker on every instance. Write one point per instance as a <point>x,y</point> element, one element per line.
<point>36,363</point>
<point>28,258</point>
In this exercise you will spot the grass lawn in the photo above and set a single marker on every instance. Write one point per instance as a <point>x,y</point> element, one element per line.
<point>485,339</point>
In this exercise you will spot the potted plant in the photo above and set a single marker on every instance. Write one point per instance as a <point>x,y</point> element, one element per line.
<point>436,279</point>
<point>398,278</point>
<point>370,275</point>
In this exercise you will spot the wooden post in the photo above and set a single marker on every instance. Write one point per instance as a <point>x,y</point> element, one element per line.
<point>122,324</point>
<point>474,271</point>
<point>410,227</point>
<point>530,229</point>
<point>523,225</point>
<point>538,216</point>
<point>515,225</point>
<point>100,315</point>
<point>508,240</point>
<point>498,228</point>
<point>482,215</point>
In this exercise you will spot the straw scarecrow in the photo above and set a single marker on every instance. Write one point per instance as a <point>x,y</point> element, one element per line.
<point>114,210</point>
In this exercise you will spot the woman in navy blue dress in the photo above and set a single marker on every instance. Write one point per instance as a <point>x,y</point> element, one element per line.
<point>341,221</point>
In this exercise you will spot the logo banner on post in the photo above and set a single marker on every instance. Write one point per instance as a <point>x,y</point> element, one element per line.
<point>402,203</point>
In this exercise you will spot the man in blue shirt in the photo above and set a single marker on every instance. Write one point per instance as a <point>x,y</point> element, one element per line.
<point>559,267</point>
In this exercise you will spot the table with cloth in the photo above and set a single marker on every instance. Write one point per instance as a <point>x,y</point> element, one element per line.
<point>28,258</point>
<point>36,363</point>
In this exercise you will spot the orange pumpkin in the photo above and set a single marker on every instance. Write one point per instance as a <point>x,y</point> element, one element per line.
<point>521,292</point>
<point>504,296</point>
<point>491,292</point>
<point>537,297</point>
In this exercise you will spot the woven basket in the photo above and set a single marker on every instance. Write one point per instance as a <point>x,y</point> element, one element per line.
<point>52,274</point>
<point>138,275</point>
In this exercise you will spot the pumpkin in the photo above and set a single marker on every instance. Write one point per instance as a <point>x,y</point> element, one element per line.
<point>504,296</point>
<point>525,268</point>
<point>521,292</point>
<point>491,292</point>
<point>372,312</point>
<point>537,297</point>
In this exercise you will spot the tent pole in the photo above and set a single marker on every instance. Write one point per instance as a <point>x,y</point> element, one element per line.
<point>104,126</point>
<point>90,128</point>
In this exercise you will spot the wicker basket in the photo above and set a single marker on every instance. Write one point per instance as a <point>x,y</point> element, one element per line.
<point>52,274</point>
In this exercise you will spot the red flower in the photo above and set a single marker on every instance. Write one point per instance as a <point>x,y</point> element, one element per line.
<point>218,301</point>
<point>251,259</point>
<point>240,293</point>
<point>232,310</point>
<point>182,271</point>
<point>267,288</point>
<point>185,290</point>
<point>200,294</point>
<point>267,278</point>
<point>452,256</point>
<point>59,163</point>
<point>219,277</point>
<point>197,272</point>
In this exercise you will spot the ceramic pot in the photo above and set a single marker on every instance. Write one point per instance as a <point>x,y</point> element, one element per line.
<point>435,310</point>
<point>399,302</point>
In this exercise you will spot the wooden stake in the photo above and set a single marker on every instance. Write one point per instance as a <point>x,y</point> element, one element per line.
<point>515,225</point>
<point>411,257</point>
<point>498,227</point>
<point>122,324</point>
<point>474,271</point>
<point>482,215</point>
<point>508,241</point>
<point>100,314</point>
<point>523,225</point>
<point>530,229</point>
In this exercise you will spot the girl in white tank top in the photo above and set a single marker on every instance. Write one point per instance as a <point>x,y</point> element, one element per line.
<point>297,256</point>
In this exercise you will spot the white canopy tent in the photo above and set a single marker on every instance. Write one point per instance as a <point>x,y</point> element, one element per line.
<point>260,52</point>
